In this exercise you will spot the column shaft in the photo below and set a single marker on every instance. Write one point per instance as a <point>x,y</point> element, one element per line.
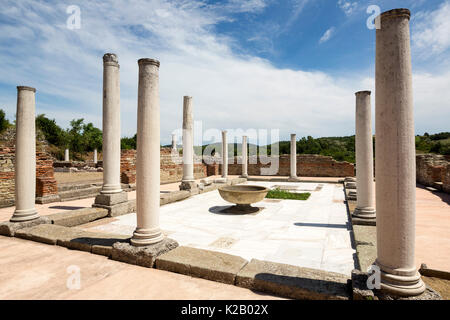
<point>111,125</point>
<point>25,161</point>
<point>224,155</point>
<point>188,140</point>
<point>365,187</point>
<point>293,161</point>
<point>174,142</point>
<point>148,156</point>
<point>66,155</point>
<point>395,156</point>
<point>95,156</point>
<point>244,157</point>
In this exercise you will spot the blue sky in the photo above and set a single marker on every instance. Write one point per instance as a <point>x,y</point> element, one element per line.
<point>291,65</point>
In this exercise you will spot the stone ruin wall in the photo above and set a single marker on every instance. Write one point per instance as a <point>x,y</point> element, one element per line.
<point>46,185</point>
<point>307,166</point>
<point>171,168</point>
<point>433,170</point>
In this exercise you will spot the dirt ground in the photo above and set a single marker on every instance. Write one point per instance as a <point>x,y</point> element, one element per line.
<point>440,285</point>
<point>70,177</point>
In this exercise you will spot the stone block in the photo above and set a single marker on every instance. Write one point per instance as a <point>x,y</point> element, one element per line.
<point>293,282</point>
<point>360,290</point>
<point>48,233</point>
<point>119,208</point>
<point>178,195</point>
<point>95,242</point>
<point>141,256</point>
<point>210,265</point>
<point>48,199</point>
<point>188,185</point>
<point>10,228</point>
<point>76,217</point>
<point>111,198</point>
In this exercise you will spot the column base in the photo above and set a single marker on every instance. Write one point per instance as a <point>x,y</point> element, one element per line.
<point>111,189</point>
<point>365,213</point>
<point>401,284</point>
<point>294,179</point>
<point>24,215</point>
<point>350,185</point>
<point>244,176</point>
<point>145,237</point>
<point>350,179</point>
<point>352,195</point>
<point>116,203</point>
<point>188,185</point>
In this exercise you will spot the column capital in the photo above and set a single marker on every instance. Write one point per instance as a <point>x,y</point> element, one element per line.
<point>110,59</point>
<point>396,13</point>
<point>144,61</point>
<point>364,92</point>
<point>20,88</point>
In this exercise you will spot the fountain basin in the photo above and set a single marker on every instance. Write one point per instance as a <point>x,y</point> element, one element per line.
<point>243,196</point>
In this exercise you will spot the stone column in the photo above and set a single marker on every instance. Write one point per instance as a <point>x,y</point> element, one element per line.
<point>25,162</point>
<point>111,196</point>
<point>174,142</point>
<point>293,159</point>
<point>395,157</point>
<point>365,187</point>
<point>188,181</point>
<point>244,157</point>
<point>111,125</point>
<point>66,155</point>
<point>95,156</point>
<point>224,155</point>
<point>148,156</point>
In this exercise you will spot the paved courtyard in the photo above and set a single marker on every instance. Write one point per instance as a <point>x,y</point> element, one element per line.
<point>313,233</point>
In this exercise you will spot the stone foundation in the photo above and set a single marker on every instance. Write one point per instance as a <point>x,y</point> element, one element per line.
<point>433,170</point>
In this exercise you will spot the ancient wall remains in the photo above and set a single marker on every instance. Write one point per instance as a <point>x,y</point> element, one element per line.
<point>307,166</point>
<point>171,167</point>
<point>46,185</point>
<point>433,170</point>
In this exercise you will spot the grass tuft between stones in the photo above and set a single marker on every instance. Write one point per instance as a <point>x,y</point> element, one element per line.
<point>283,194</point>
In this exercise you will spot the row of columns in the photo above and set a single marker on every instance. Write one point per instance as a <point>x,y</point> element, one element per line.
<point>395,156</point>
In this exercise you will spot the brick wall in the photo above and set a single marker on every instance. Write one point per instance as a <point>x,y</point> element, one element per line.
<point>433,170</point>
<point>45,182</point>
<point>171,167</point>
<point>46,185</point>
<point>307,166</point>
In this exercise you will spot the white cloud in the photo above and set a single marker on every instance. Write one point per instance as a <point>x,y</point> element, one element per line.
<point>229,90</point>
<point>431,31</point>
<point>347,6</point>
<point>327,35</point>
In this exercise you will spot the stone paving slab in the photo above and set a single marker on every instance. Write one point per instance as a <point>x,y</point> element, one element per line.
<point>142,256</point>
<point>293,282</point>
<point>10,228</point>
<point>78,217</point>
<point>210,265</point>
<point>72,238</point>
<point>366,245</point>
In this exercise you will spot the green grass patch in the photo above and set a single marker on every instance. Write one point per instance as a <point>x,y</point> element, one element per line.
<point>283,194</point>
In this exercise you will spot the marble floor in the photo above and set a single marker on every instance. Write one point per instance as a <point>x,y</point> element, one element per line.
<point>314,233</point>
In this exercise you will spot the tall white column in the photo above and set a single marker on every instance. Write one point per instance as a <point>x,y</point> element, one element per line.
<point>66,155</point>
<point>365,187</point>
<point>95,156</point>
<point>293,160</point>
<point>148,156</point>
<point>25,162</point>
<point>395,156</point>
<point>224,155</point>
<point>174,142</point>
<point>244,157</point>
<point>111,125</point>
<point>188,140</point>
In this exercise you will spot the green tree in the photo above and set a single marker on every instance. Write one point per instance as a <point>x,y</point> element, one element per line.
<point>4,123</point>
<point>53,133</point>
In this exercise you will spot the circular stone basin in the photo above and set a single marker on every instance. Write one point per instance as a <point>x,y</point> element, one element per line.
<point>243,196</point>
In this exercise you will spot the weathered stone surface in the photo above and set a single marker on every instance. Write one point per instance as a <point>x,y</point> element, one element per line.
<point>178,195</point>
<point>350,185</point>
<point>10,228</point>
<point>293,282</point>
<point>49,233</point>
<point>87,240</point>
<point>119,208</point>
<point>425,271</point>
<point>142,256</point>
<point>359,286</point>
<point>111,199</point>
<point>366,245</point>
<point>188,185</point>
<point>210,265</point>
<point>429,294</point>
<point>77,217</point>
